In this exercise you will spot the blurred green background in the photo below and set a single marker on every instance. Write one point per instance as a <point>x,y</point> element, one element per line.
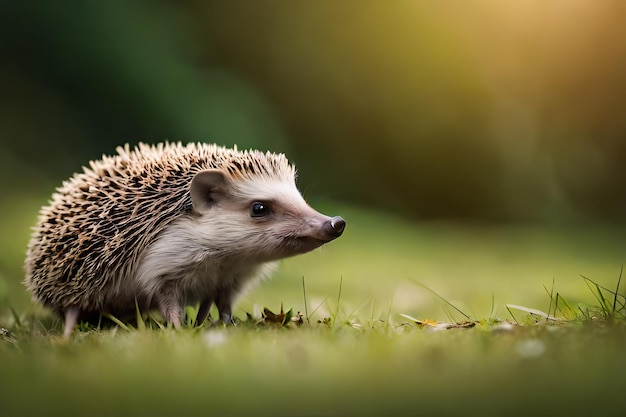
<point>473,113</point>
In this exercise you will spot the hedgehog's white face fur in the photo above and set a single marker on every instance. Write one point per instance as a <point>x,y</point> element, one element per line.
<point>169,226</point>
<point>237,228</point>
<point>257,218</point>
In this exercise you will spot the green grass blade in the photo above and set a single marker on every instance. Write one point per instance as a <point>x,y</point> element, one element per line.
<point>440,297</point>
<point>318,306</point>
<point>306,310</point>
<point>116,321</point>
<point>619,280</point>
<point>334,317</point>
<point>16,318</point>
<point>141,325</point>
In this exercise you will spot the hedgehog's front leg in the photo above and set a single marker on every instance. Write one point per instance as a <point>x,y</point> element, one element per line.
<point>224,302</point>
<point>71,318</point>
<point>203,311</point>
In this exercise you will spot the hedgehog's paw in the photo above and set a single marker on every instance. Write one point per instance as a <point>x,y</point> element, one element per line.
<point>227,318</point>
<point>71,318</point>
<point>173,314</point>
<point>225,310</point>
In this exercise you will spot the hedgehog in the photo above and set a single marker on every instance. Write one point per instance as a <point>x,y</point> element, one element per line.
<point>161,227</point>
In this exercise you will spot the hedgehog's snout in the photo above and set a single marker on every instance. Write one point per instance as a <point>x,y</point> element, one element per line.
<point>331,228</point>
<point>337,224</point>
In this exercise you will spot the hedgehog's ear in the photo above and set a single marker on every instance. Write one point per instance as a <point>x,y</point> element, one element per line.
<point>206,188</point>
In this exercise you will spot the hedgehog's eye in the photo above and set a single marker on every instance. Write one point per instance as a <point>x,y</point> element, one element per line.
<point>259,209</point>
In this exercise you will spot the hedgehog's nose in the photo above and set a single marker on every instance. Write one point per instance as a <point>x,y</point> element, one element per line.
<point>337,224</point>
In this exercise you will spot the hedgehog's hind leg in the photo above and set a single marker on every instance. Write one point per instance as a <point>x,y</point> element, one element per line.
<point>172,314</point>
<point>171,309</point>
<point>71,318</point>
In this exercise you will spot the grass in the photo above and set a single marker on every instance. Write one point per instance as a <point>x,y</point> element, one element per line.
<point>349,368</point>
<point>358,350</point>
